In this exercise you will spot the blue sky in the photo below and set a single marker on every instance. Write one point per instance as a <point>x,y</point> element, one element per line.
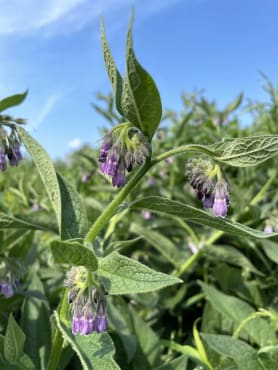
<point>53,48</point>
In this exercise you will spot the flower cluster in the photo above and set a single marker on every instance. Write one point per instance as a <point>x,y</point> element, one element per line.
<point>122,148</point>
<point>8,283</point>
<point>210,185</point>
<point>271,224</point>
<point>88,303</point>
<point>10,148</point>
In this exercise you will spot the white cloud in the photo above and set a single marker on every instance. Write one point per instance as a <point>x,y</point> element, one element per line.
<point>47,107</point>
<point>75,143</point>
<point>25,16</point>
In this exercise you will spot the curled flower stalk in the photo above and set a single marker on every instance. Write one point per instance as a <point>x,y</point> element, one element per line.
<point>9,148</point>
<point>122,148</point>
<point>210,185</point>
<point>88,303</point>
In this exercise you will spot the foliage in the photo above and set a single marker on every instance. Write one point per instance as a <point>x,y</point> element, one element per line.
<point>185,289</point>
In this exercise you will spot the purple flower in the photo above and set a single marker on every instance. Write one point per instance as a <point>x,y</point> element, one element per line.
<point>208,200</point>
<point>151,181</point>
<point>221,200</point>
<point>76,324</point>
<point>3,163</point>
<point>122,148</point>
<point>147,215</point>
<point>268,229</point>
<point>6,289</point>
<point>85,178</point>
<point>101,323</point>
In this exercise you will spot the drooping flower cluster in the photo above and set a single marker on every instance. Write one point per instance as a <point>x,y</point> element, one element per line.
<point>122,148</point>
<point>210,185</point>
<point>9,148</point>
<point>271,224</point>
<point>88,303</point>
<point>8,281</point>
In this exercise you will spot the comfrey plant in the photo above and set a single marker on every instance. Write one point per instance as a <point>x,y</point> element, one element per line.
<point>84,322</point>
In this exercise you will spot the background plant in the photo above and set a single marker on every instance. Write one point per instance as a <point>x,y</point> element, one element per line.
<point>185,288</point>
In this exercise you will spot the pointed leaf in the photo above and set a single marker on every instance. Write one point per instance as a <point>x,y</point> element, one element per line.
<point>74,216</point>
<point>113,73</point>
<point>74,253</point>
<point>171,207</point>
<point>246,151</point>
<point>244,355</point>
<point>36,325</point>
<point>123,275</point>
<point>141,103</point>
<point>12,101</point>
<point>14,341</point>
<point>46,170</point>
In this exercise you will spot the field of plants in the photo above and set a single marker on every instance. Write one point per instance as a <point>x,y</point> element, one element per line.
<point>156,251</point>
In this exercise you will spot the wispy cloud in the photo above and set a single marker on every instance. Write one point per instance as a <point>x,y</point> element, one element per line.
<point>37,118</point>
<point>66,15</point>
<point>75,143</point>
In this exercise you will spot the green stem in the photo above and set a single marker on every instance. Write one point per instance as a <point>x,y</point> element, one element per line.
<point>183,149</point>
<point>58,339</point>
<point>113,206</point>
<point>187,264</point>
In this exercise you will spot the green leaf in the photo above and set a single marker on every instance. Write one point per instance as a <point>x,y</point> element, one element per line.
<point>242,354</point>
<point>119,320</point>
<point>113,73</point>
<point>269,357</point>
<point>247,151</point>
<point>230,255</point>
<point>271,250</point>
<point>36,325</point>
<point>12,101</point>
<point>14,341</point>
<point>123,275</point>
<point>179,363</point>
<point>46,170</point>
<point>237,310</point>
<point>234,105</point>
<point>140,102</point>
<point>189,351</point>
<point>159,242</point>
<point>200,347</point>
<point>74,216</point>
<point>171,207</point>
<point>29,223</point>
<point>148,350</point>
<point>95,351</point>
<point>73,253</point>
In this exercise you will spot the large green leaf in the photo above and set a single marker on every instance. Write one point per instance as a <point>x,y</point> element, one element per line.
<point>29,223</point>
<point>113,73</point>
<point>259,329</point>
<point>73,253</point>
<point>140,103</point>
<point>74,217</point>
<point>171,207</point>
<point>164,245</point>
<point>12,101</point>
<point>14,341</point>
<point>148,349</point>
<point>242,354</point>
<point>35,321</point>
<point>230,255</point>
<point>123,275</point>
<point>95,351</point>
<point>246,151</point>
<point>46,170</point>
